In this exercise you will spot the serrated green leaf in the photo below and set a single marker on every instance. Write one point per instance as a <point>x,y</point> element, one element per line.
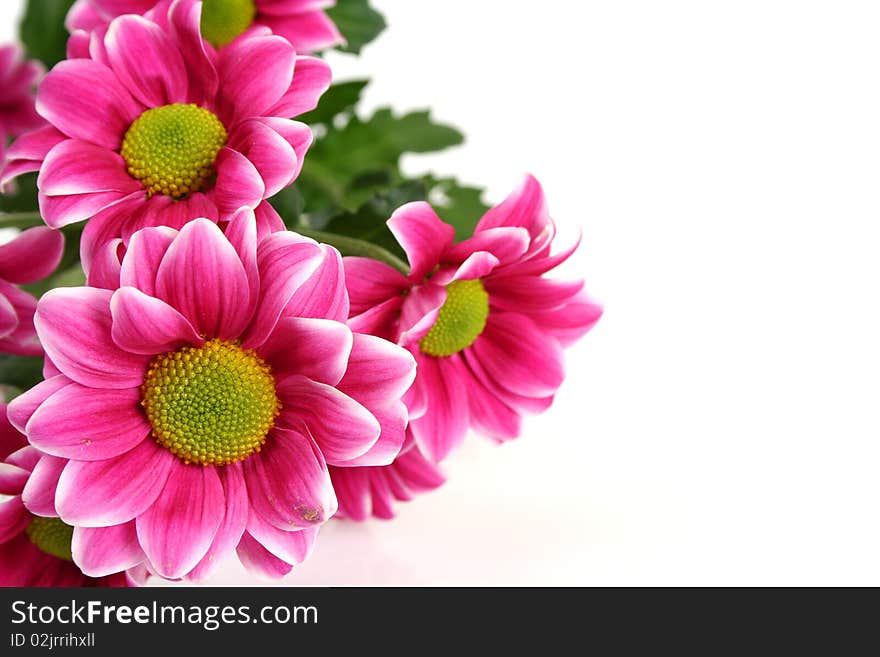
<point>348,165</point>
<point>43,32</point>
<point>339,99</point>
<point>358,21</point>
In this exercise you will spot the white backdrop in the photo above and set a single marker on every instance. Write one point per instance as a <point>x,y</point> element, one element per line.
<point>720,424</point>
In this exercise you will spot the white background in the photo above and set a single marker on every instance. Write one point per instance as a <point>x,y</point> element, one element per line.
<point>720,424</point>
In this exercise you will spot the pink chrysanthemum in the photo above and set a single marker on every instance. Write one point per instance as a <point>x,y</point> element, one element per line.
<point>18,78</point>
<point>485,325</point>
<point>29,257</point>
<point>149,131</point>
<point>197,407</point>
<point>302,22</point>
<point>34,550</point>
<point>363,492</point>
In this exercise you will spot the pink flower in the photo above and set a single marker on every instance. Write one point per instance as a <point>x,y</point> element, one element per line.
<point>486,326</point>
<point>302,22</point>
<point>149,131</point>
<point>373,490</point>
<point>34,550</point>
<point>31,256</point>
<point>18,78</point>
<point>196,408</point>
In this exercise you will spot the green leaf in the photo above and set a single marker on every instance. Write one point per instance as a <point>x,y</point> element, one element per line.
<point>22,372</point>
<point>368,222</point>
<point>459,205</point>
<point>347,165</point>
<point>24,198</point>
<point>339,99</point>
<point>43,32</point>
<point>359,23</point>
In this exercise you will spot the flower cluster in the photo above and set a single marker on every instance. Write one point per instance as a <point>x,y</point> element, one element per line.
<point>221,384</point>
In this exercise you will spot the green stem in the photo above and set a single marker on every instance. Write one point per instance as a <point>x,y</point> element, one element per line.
<point>354,247</point>
<point>20,220</point>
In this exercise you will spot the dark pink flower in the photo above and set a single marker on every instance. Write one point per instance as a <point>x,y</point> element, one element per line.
<point>302,22</point>
<point>34,550</point>
<point>152,131</point>
<point>367,491</point>
<point>18,79</point>
<point>485,324</point>
<point>31,256</point>
<point>195,409</point>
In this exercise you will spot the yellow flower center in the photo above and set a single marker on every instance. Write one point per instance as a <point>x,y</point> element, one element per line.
<point>51,535</point>
<point>223,20</point>
<point>211,405</point>
<point>461,319</point>
<point>171,149</point>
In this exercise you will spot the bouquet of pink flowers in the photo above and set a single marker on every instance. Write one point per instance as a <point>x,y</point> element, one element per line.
<point>226,315</point>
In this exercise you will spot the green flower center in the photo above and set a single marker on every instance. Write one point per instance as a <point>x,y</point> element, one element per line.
<point>460,321</point>
<point>223,20</point>
<point>171,149</point>
<point>51,535</point>
<point>211,405</point>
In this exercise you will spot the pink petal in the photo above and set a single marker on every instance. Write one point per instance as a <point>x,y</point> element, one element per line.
<point>478,265</point>
<point>292,547</point>
<point>393,420</point>
<point>308,31</point>
<point>419,312</point>
<point>102,551</point>
<point>185,18</point>
<point>14,520</point>
<point>423,236</point>
<point>105,266</point>
<point>202,276</point>
<point>370,282</point>
<point>88,424</point>
<point>311,78</point>
<point>268,221</point>
<point>527,294</point>
<point>143,257</point>
<point>288,483</point>
<point>234,520</point>
<point>381,320</point>
<point>238,182</point>
<point>258,559</point>
<point>379,372</point>
<point>85,100</point>
<point>8,317</point>
<point>245,94</point>
<point>39,492</point>
<point>316,348</point>
<point>570,322</point>
<point>286,261</point>
<point>74,325</point>
<point>146,325</point>
<point>489,415</point>
<point>12,479</point>
<point>342,428</point>
<point>514,352</point>
<point>107,226</point>
<point>323,294</point>
<point>443,427</point>
<point>146,60</point>
<point>541,265</point>
<point>22,407</point>
<point>298,135</point>
<point>242,231</point>
<point>176,531</point>
<point>11,439</point>
<point>506,244</point>
<point>78,167</point>
<point>526,207</point>
<point>518,403</point>
<point>31,256</point>
<point>268,151</point>
<point>19,336</point>
<point>59,211</point>
<point>111,492</point>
